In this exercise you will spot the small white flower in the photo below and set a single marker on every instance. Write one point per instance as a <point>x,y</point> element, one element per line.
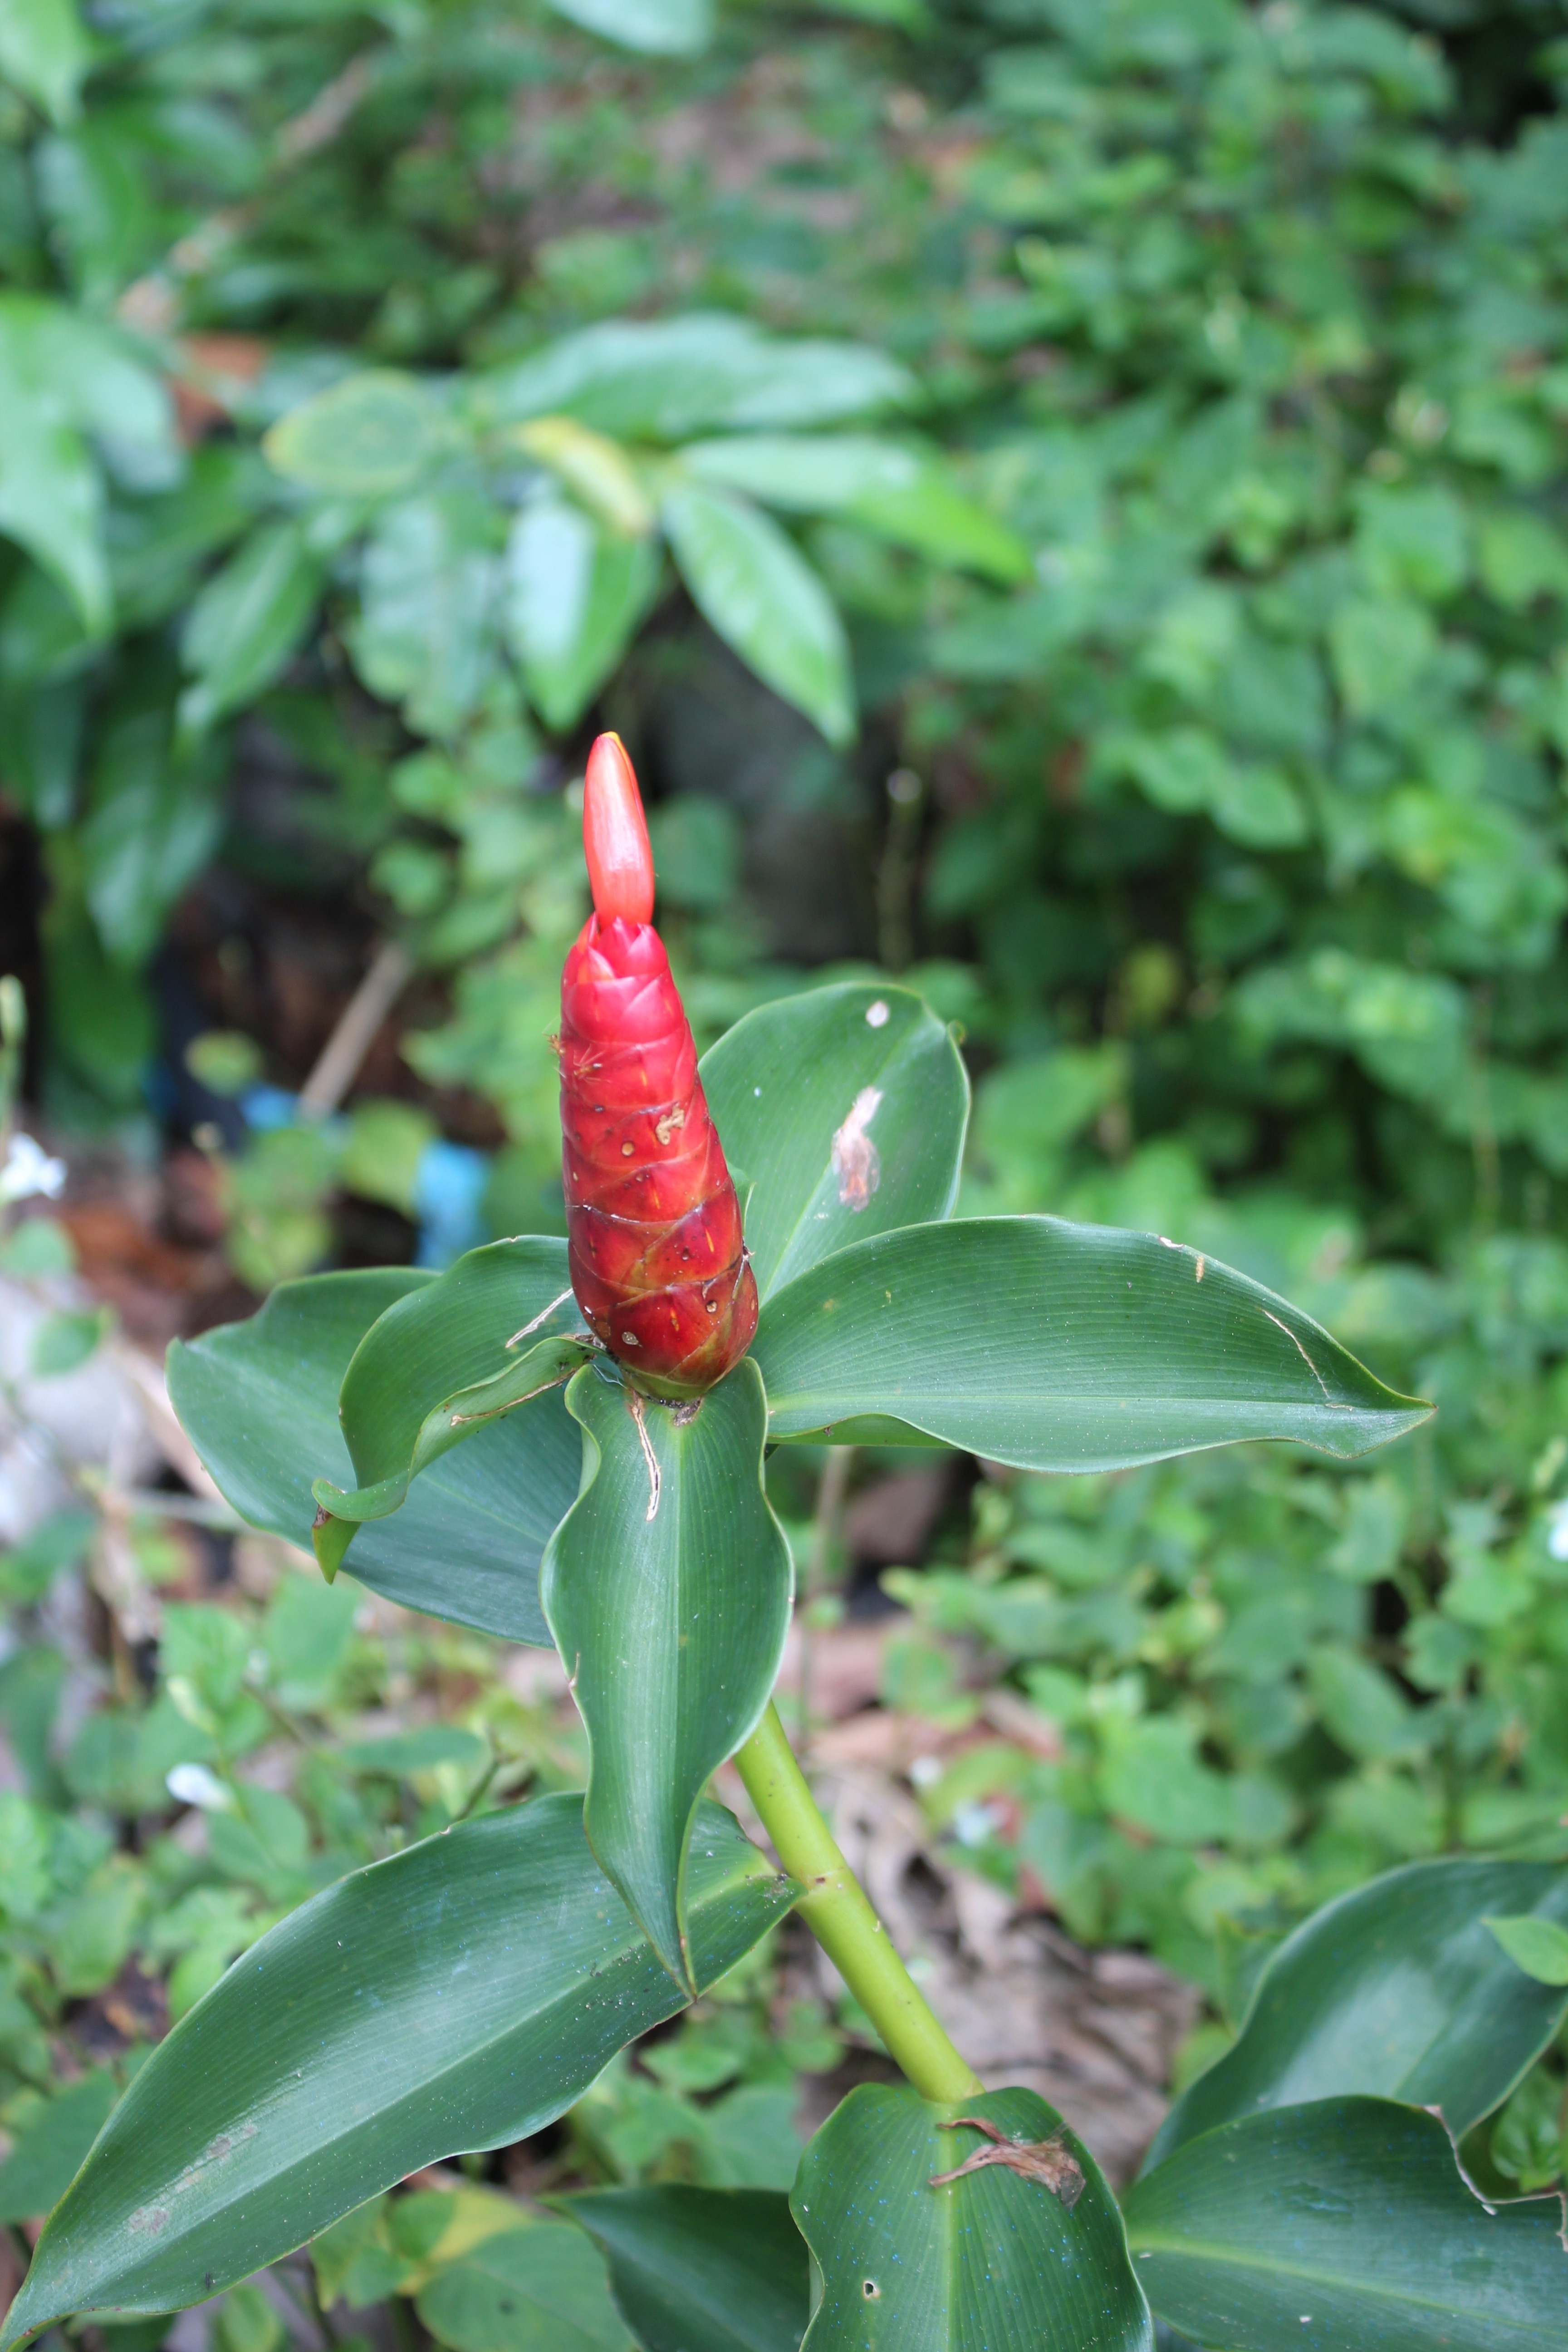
<point>194,1784</point>
<point>28,1170</point>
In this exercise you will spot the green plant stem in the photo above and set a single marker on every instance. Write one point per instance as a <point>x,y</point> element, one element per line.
<point>834,1908</point>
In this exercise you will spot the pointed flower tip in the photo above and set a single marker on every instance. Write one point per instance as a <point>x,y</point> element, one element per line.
<point>615,836</point>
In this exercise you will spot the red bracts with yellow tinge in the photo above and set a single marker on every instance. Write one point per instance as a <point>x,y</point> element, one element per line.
<point>656,1257</point>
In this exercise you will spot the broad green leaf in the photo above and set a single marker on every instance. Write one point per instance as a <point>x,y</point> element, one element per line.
<point>442,1365</point>
<point>425,633</point>
<point>367,437</point>
<point>1345,2223</point>
<point>701,2270</point>
<point>1537,1946</point>
<point>905,495</point>
<point>458,1996</point>
<point>1396,1990</point>
<point>993,2259</point>
<point>540,2287</point>
<point>248,623</point>
<point>1060,1347</point>
<point>753,587</point>
<point>846,1106</point>
<point>152,823</point>
<point>51,494</point>
<point>596,470</point>
<point>47,2150</point>
<point>575,593</point>
<point>667,379</point>
<point>259,1400</point>
<point>44,52</point>
<point>657,27</point>
<point>668,1589</point>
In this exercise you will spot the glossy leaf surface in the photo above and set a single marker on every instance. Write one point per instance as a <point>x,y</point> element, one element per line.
<point>993,2259</point>
<point>455,1996</point>
<point>575,593</point>
<point>668,1589</point>
<point>483,1340</point>
<point>259,1401</point>
<point>539,2288</point>
<point>1060,1347</point>
<point>702,2270</point>
<point>1397,1989</point>
<point>753,588</point>
<point>906,496</point>
<point>1346,2225</point>
<point>846,1108</point>
<point>665,379</point>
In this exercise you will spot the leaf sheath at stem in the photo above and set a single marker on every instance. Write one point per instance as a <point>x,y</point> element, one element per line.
<point>835,1909</point>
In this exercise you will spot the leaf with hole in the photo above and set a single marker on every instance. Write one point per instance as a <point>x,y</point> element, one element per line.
<point>994,2257</point>
<point>668,1589</point>
<point>1059,1347</point>
<point>458,1996</point>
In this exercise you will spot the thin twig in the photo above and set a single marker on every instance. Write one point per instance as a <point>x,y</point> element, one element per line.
<point>352,1040</point>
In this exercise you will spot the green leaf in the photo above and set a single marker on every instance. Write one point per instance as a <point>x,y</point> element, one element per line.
<point>575,595</point>
<point>152,824</point>
<point>259,1400</point>
<point>906,494</point>
<point>48,2149</point>
<point>995,2258</point>
<point>667,379</point>
<point>425,636</point>
<point>657,27</point>
<point>44,52</point>
<point>1345,2222</point>
<point>437,1368</point>
<point>701,2270</point>
<point>668,1589</point>
<point>248,623</point>
<point>1396,1990</point>
<point>367,437</point>
<point>63,1341</point>
<point>1539,1947</point>
<point>540,2287</point>
<point>847,1105</point>
<point>456,1997</point>
<point>1060,1347</point>
<point>755,590</point>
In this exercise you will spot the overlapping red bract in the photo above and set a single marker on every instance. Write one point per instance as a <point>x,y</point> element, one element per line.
<point>656,1257</point>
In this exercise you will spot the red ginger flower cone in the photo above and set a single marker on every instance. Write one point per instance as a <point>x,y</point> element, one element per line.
<point>656,1257</point>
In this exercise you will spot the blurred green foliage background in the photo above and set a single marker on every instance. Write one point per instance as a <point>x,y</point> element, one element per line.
<point>1066,500</point>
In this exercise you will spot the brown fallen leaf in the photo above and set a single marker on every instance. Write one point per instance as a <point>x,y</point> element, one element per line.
<point>1045,2160</point>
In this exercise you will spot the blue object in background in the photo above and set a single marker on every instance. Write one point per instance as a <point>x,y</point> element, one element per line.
<point>448,1184</point>
<point>449,1200</point>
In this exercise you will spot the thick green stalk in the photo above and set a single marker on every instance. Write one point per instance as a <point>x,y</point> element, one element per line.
<point>834,1908</point>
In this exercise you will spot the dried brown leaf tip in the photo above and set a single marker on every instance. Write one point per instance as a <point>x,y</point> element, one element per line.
<point>1045,2160</point>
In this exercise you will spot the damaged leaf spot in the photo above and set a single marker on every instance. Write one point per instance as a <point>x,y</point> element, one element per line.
<point>665,1127</point>
<point>856,1163</point>
<point>635,1406</point>
<point>1047,2161</point>
<point>870,2290</point>
<point>878,1014</point>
